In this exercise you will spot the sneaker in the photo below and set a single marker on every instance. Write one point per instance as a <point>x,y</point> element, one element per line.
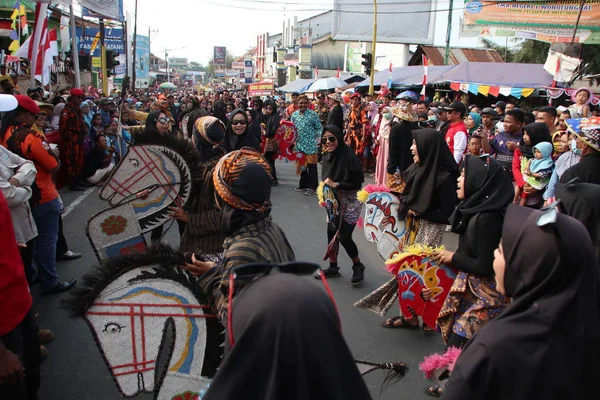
<point>59,287</point>
<point>310,192</point>
<point>358,277</point>
<point>330,272</point>
<point>301,189</point>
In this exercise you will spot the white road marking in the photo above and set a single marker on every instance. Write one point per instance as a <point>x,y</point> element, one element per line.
<point>78,201</point>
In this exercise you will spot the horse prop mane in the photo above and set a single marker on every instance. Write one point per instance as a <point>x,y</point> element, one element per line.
<point>168,167</point>
<point>151,323</point>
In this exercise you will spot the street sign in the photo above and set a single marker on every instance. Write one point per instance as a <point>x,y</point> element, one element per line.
<point>120,69</point>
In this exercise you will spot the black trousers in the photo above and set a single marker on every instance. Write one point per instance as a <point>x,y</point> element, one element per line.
<point>345,238</point>
<point>61,244</point>
<point>271,156</point>
<point>27,258</point>
<point>23,341</point>
<point>309,179</point>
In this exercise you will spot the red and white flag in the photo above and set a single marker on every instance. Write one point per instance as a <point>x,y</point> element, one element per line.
<point>317,72</point>
<point>338,73</point>
<point>425,67</point>
<point>390,81</point>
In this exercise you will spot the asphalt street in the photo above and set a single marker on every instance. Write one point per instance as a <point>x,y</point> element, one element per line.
<point>75,370</point>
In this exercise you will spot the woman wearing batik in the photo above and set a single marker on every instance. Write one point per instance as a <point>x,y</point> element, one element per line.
<point>428,200</point>
<point>309,130</point>
<point>202,234</point>
<point>484,191</point>
<point>342,171</point>
<point>242,181</point>
<point>271,123</point>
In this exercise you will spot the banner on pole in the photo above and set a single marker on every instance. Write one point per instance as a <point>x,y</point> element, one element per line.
<point>109,9</point>
<point>220,55</point>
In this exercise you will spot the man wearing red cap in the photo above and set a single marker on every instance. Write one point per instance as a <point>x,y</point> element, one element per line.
<point>72,131</point>
<point>357,124</point>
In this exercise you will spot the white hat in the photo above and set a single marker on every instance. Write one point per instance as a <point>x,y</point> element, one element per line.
<point>8,102</point>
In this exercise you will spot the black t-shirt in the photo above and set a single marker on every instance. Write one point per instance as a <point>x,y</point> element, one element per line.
<point>93,162</point>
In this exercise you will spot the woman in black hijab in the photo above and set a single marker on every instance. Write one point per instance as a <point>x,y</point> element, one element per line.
<point>581,201</point>
<point>255,124</point>
<point>546,344</point>
<point>336,115</point>
<point>288,345</point>
<point>428,198</point>
<point>342,171</point>
<point>484,191</point>
<point>400,141</point>
<point>238,133</point>
<point>532,135</point>
<point>272,120</point>
<point>219,111</point>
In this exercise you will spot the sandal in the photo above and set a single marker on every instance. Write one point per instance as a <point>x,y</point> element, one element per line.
<point>434,391</point>
<point>404,323</point>
<point>427,329</point>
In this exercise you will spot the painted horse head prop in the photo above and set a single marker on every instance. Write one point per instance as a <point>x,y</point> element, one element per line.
<point>165,166</point>
<point>380,223</point>
<point>151,323</point>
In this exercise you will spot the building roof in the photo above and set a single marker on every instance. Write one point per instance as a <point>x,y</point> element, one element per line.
<point>457,55</point>
<point>327,60</point>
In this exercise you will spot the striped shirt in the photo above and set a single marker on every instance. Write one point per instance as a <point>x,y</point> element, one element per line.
<point>263,241</point>
<point>203,230</point>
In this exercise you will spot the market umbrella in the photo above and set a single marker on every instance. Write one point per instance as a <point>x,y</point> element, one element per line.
<point>326,84</point>
<point>296,86</point>
<point>168,85</point>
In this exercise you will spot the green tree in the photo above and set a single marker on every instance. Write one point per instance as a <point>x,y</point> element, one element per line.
<point>212,68</point>
<point>505,52</point>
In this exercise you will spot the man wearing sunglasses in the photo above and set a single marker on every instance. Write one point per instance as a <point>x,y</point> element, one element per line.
<point>72,131</point>
<point>242,182</point>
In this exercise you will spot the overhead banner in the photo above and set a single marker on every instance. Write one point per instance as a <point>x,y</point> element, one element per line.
<point>113,39</point>
<point>261,89</point>
<point>548,35</point>
<point>560,14</point>
<point>220,55</point>
<point>110,9</point>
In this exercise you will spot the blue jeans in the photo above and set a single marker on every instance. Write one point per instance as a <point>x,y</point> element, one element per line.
<point>46,218</point>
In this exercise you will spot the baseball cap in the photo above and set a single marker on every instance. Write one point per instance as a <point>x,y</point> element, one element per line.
<point>500,104</point>
<point>457,106</point>
<point>8,102</point>
<point>27,103</point>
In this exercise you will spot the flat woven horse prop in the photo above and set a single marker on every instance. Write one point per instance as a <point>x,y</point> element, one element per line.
<point>167,168</point>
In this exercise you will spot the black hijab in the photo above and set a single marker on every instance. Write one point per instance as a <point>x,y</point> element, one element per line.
<point>255,124</point>
<point>487,188</point>
<point>219,111</point>
<point>209,133</point>
<point>151,122</point>
<point>582,202</point>
<point>400,140</point>
<point>288,345</point>
<point>342,163</point>
<point>436,165</point>
<point>246,139</point>
<point>546,343</point>
<point>538,132</point>
<point>271,121</point>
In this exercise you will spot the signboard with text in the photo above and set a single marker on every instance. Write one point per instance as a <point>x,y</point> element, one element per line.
<point>113,39</point>
<point>248,71</point>
<point>220,55</point>
<point>142,60</point>
<point>261,89</point>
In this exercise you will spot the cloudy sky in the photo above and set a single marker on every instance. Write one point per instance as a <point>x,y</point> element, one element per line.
<point>193,27</point>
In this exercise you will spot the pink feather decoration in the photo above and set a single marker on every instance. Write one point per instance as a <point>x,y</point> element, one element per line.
<point>451,356</point>
<point>376,188</point>
<point>393,268</point>
<point>438,362</point>
<point>360,223</point>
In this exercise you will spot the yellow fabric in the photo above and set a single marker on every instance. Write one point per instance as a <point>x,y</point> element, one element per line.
<point>527,91</point>
<point>484,89</point>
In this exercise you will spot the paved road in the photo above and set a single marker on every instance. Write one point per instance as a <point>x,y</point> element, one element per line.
<point>75,369</point>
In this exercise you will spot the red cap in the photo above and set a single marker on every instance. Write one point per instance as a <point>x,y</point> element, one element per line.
<point>355,95</point>
<point>77,92</point>
<point>27,103</point>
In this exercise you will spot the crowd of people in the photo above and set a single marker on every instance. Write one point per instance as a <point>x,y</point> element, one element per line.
<point>520,188</point>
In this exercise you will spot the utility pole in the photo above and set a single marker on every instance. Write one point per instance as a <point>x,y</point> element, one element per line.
<point>372,77</point>
<point>134,45</point>
<point>167,65</point>
<point>103,59</point>
<point>577,22</point>
<point>73,49</point>
<point>448,32</point>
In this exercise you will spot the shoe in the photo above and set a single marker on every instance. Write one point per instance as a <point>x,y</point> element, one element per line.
<point>43,352</point>
<point>275,183</point>
<point>310,192</point>
<point>358,277</point>
<point>45,336</point>
<point>76,188</point>
<point>68,255</point>
<point>330,272</point>
<point>60,287</point>
<point>301,189</point>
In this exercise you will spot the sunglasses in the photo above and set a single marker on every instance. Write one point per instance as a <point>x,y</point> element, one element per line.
<point>249,273</point>
<point>329,139</point>
<point>267,108</point>
<point>164,120</point>
<point>238,122</point>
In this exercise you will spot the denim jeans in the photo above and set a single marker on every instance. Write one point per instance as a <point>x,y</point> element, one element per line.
<point>46,218</point>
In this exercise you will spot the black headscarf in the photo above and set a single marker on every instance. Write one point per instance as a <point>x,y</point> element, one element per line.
<point>151,122</point>
<point>271,121</point>
<point>288,345</point>
<point>546,343</point>
<point>209,133</point>
<point>255,124</point>
<point>246,139</point>
<point>436,165</point>
<point>538,132</point>
<point>582,202</point>
<point>400,140</point>
<point>342,164</point>
<point>487,188</point>
<point>220,111</point>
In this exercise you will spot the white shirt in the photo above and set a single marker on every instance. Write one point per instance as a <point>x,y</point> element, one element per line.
<point>460,145</point>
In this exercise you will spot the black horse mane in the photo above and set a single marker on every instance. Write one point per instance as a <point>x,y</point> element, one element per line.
<point>164,257</point>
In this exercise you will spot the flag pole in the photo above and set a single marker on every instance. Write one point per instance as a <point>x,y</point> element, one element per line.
<point>74,47</point>
<point>373,45</point>
<point>42,7</point>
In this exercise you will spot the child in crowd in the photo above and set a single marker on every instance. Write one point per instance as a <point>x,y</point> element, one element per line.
<point>475,146</point>
<point>581,108</point>
<point>539,169</point>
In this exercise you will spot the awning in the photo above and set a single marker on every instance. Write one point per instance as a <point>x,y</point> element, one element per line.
<point>297,86</point>
<point>410,76</point>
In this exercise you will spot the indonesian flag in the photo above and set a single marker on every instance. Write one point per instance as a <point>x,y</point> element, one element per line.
<point>389,81</point>
<point>425,67</point>
<point>317,72</point>
<point>338,73</point>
